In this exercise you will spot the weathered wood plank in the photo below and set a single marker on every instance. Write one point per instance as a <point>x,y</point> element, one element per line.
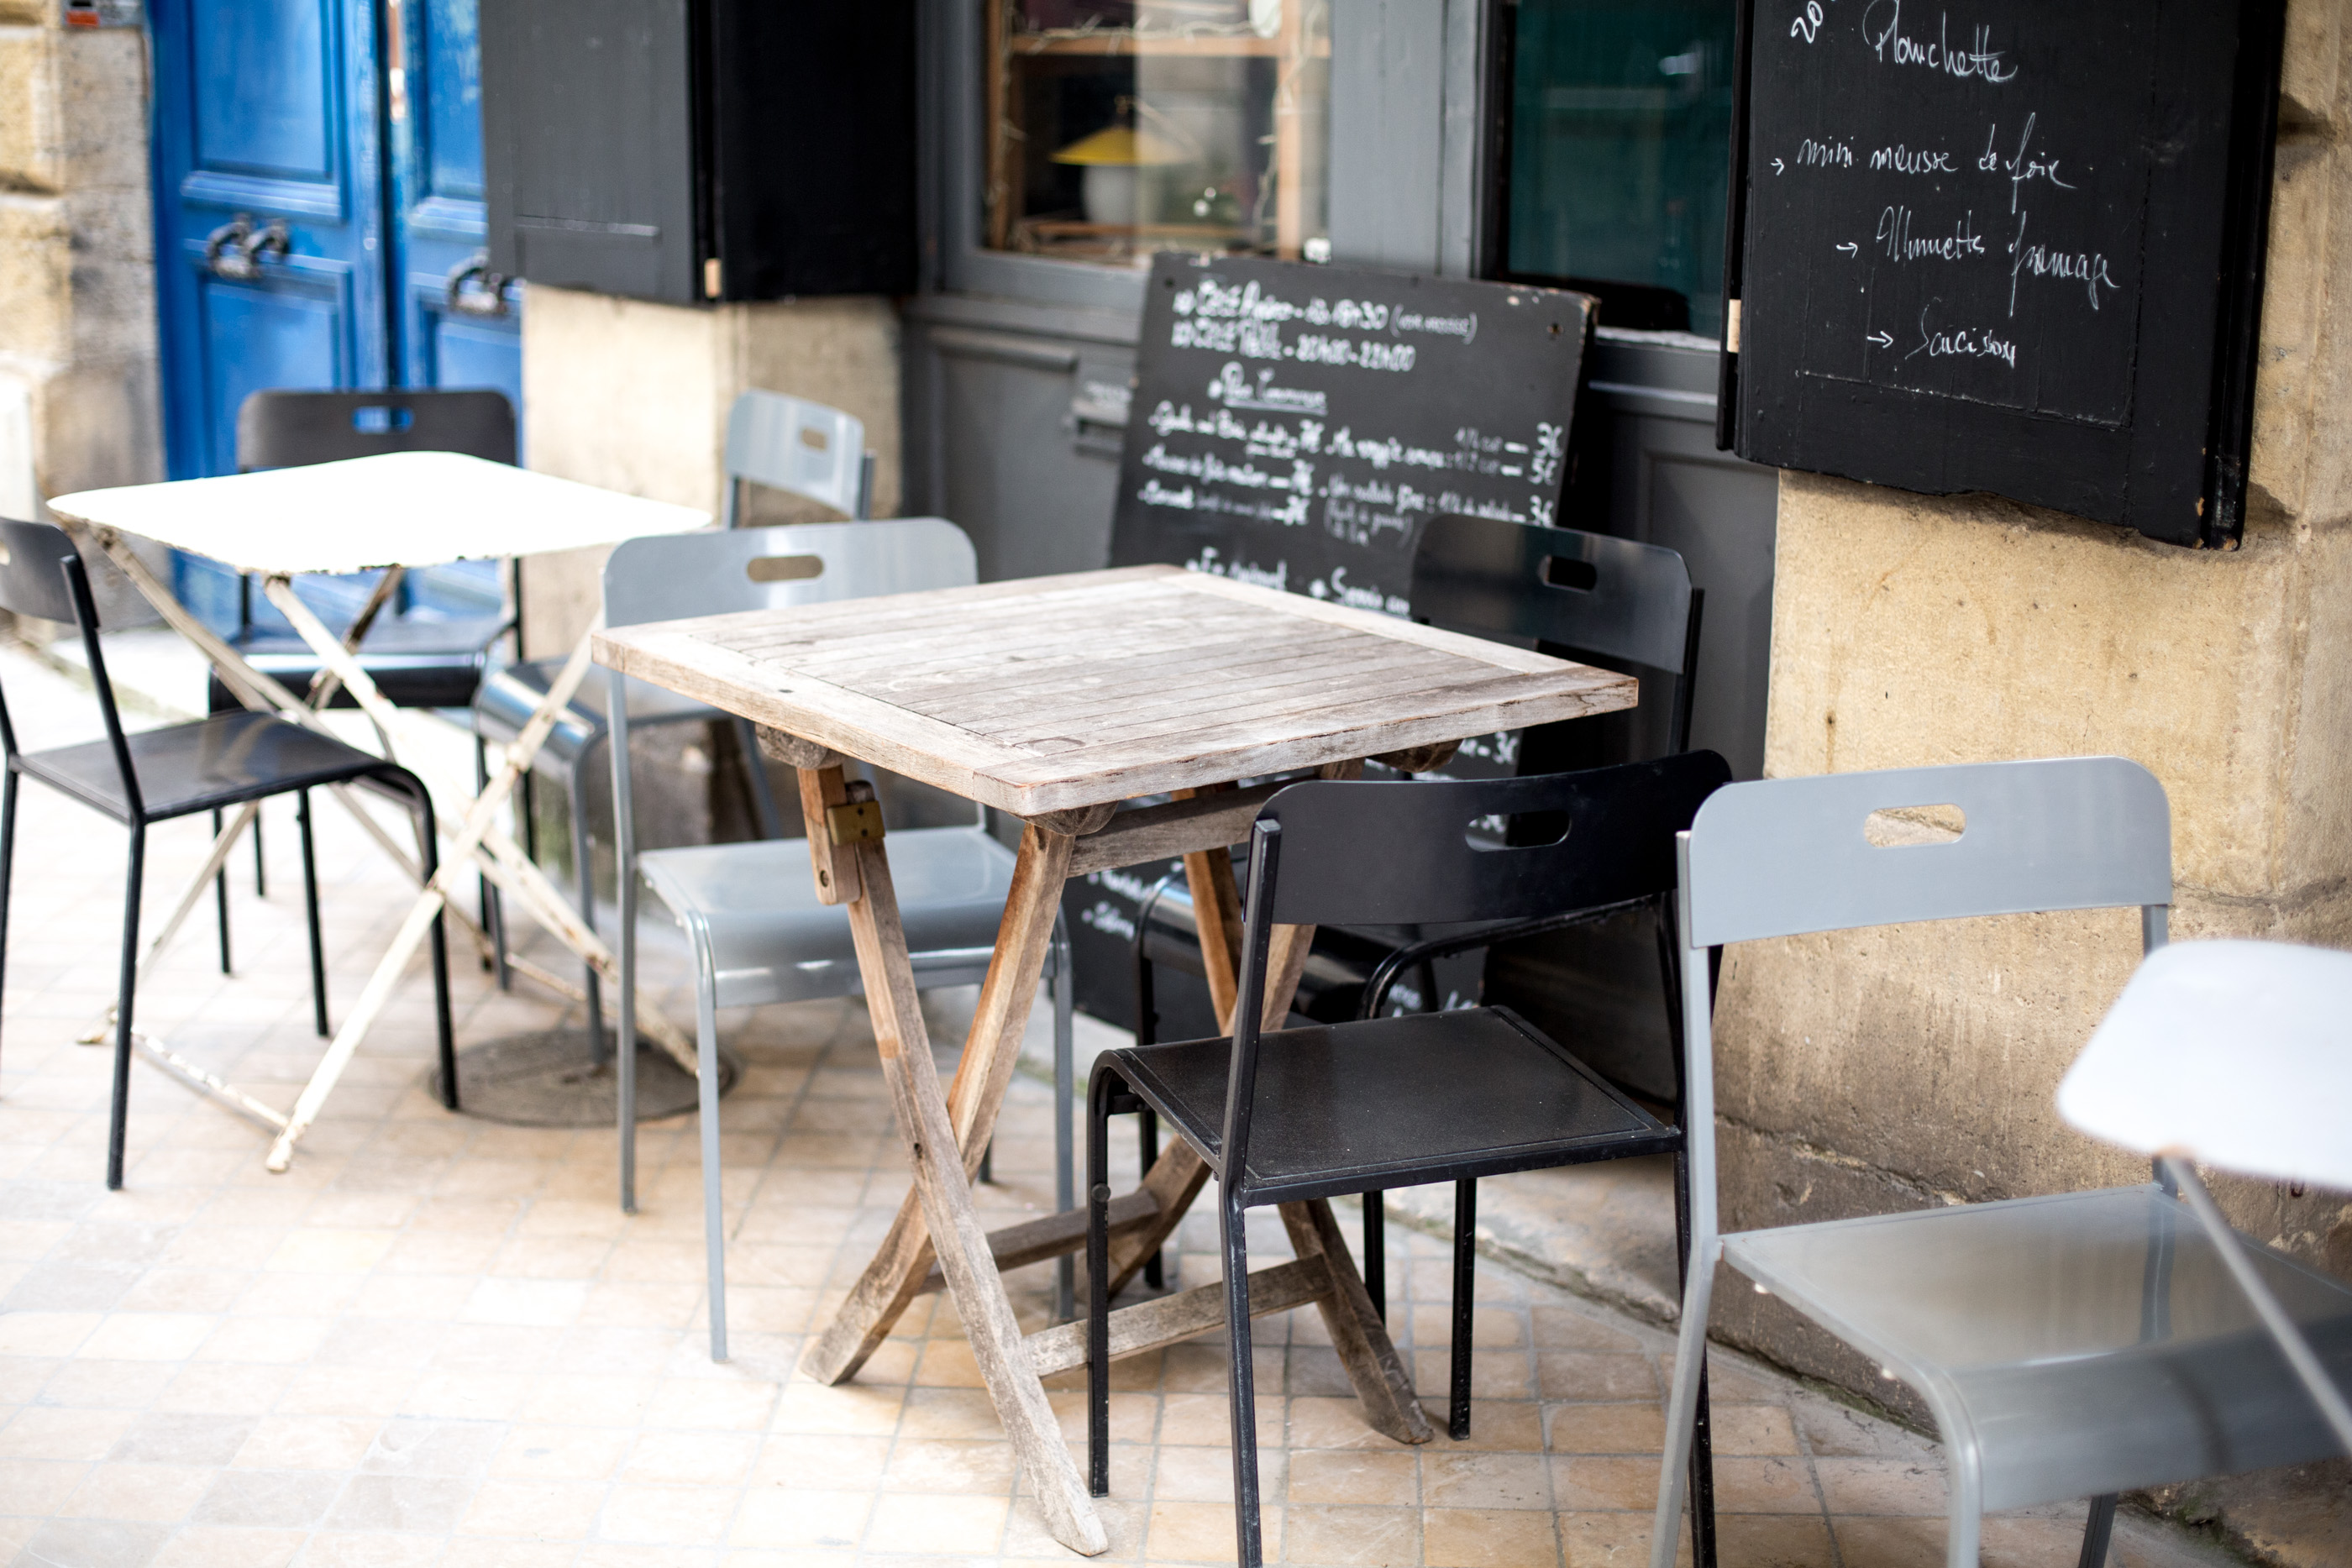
<point>897,1273</point>
<point>940,1179</point>
<point>1062,694</point>
<point>1053,1235</point>
<point>1171,1320</point>
<point>835,866</point>
<point>1383,1388</point>
<point>1200,822</point>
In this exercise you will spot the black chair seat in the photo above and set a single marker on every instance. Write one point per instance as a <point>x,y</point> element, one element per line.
<point>225,760</point>
<point>1396,1101</point>
<point>414,661</point>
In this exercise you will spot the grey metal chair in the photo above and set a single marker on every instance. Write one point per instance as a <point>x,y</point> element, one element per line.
<point>2068,1347</point>
<point>788,443</point>
<point>757,932</point>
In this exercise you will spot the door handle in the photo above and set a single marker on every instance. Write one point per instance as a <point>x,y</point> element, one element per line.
<point>487,297</point>
<point>237,250</point>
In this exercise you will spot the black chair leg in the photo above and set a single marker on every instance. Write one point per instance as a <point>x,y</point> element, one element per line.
<point>1375,1253</point>
<point>260,871</point>
<point>7,859</point>
<point>310,912</point>
<point>988,1164</point>
<point>428,856</point>
<point>1155,1268</point>
<point>1101,1084</point>
<point>485,896</point>
<point>2098,1532</point>
<point>1248,1541</point>
<point>119,1112</point>
<point>220,897</point>
<point>1466,1290</point>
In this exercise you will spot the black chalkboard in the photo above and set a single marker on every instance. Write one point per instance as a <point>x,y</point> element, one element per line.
<point>2006,245</point>
<point>1293,425</point>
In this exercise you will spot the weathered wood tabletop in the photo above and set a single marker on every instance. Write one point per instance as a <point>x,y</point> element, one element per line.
<point>1055,698</point>
<point>1053,692</point>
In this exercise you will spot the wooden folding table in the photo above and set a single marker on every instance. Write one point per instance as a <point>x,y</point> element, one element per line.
<point>393,511</point>
<point>1055,699</point>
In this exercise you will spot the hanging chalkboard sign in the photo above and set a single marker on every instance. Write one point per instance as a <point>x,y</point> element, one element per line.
<point>1293,425</point>
<point>2008,246</point>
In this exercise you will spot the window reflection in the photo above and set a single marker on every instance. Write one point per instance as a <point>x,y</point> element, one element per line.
<point>1118,128</point>
<point>1621,126</point>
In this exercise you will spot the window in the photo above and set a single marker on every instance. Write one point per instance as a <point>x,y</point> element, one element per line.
<point>1118,128</point>
<point>1621,126</point>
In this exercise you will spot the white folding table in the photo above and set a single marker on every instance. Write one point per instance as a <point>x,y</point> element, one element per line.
<point>389,512</point>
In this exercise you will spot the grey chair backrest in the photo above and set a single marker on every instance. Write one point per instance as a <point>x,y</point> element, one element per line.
<point>797,446</point>
<point>1780,857</point>
<point>1784,856</point>
<point>288,429</point>
<point>672,577</point>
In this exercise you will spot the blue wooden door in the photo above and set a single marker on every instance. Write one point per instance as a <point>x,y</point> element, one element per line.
<point>455,324</point>
<point>270,241</point>
<point>458,325</point>
<point>318,182</point>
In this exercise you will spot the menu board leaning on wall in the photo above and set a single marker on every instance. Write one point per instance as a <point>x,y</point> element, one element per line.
<point>1293,425</point>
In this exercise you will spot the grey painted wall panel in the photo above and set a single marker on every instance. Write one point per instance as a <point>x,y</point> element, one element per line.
<point>1387,132</point>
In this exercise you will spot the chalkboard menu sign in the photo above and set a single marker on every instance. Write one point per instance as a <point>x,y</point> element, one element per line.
<point>2008,246</point>
<point>1293,425</point>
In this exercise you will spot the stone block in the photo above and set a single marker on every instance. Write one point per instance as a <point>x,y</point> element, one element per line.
<point>35,277</point>
<point>30,117</point>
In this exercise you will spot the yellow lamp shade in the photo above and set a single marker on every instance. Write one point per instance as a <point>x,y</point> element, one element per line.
<point>1123,146</point>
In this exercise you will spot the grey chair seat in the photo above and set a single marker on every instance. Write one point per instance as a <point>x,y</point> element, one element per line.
<point>2080,1343</point>
<point>768,939</point>
<point>509,696</point>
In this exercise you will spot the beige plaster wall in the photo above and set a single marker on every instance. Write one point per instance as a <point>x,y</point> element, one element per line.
<point>78,385</point>
<point>1913,1066</point>
<point>634,396</point>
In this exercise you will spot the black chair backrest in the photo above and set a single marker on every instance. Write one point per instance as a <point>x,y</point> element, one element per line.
<point>1421,851</point>
<point>41,574</point>
<point>32,576</point>
<point>286,429</point>
<point>1616,600</point>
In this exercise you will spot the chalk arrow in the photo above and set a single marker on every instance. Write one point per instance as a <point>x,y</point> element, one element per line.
<point>1850,248</point>
<point>1883,340</point>
<point>1778,166</point>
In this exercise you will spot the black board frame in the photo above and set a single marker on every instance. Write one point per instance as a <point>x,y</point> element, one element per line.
<point>2077,475</point>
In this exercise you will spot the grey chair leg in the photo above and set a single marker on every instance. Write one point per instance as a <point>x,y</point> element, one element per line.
<point>1065,1050</point>
<point>764,793</point>
<point>625,941</point>
<point>714,1214</point>
<point>2097,1532</point>
<point>583,868</point>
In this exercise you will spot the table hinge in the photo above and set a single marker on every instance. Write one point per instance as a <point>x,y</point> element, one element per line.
<point>857,822</point>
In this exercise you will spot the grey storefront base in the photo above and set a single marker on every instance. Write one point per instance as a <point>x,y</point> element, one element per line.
<point>1013,427</point>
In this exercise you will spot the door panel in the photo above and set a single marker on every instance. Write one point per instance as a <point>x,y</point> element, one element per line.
<point>266,110</point>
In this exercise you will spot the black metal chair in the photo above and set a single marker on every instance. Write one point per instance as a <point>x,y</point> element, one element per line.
<point>156,775</point>
<point>1609,602</point>
<point>1331,1109</point>
<point>417,661</point>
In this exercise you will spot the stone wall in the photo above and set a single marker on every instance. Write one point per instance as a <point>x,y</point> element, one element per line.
<point>634,396</point>
<point>79,405</point>
<point>1914,1066</point>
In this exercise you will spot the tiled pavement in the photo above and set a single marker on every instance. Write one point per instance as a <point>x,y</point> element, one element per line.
<point>437,1341</point>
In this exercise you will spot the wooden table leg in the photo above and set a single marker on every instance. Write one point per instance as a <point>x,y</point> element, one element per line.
<point>898,1272</point>
<point>941,1178</point>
